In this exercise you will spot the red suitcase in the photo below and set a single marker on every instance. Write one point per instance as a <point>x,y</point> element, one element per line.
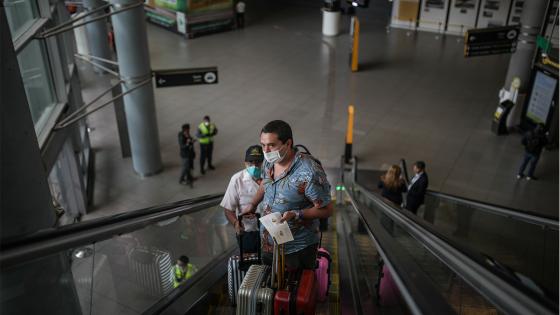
<point>299,295</point>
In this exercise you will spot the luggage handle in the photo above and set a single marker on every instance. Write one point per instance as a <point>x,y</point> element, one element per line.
<point>240,239</point>
<point>278,265</point>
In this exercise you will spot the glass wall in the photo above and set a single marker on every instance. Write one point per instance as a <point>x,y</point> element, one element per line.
<point>36,76</point>
<point>52,85</point>
<point>20,14</point>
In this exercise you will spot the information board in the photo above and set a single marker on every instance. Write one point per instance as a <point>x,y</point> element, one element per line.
<point>540,102</point>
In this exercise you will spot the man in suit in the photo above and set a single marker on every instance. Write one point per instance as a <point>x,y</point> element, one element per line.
<point>417,187</point>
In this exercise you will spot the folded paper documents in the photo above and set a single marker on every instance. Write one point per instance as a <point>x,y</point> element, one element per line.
<point>279,231</point>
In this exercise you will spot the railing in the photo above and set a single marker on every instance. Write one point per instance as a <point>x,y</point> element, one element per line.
<point>529,217</point>
<point>483,275</point>
<point>120,262</point>
<point>420,293</point>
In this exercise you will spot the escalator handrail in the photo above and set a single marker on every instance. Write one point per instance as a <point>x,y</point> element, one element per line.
<point>510,297</point>
<point>89,224</point>
<point>54,241</point>
<point>420,293</point>
<point>516,214</point>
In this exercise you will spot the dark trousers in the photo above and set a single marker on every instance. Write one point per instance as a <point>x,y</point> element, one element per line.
<point>206,154</point>
<point>530,159</point>
<point>413,206</point>
<point>304,259</point>
<point>240,20</point>
<point>186,170</point>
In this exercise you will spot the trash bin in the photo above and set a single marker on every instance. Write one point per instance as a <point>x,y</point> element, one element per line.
<point>331,22</point>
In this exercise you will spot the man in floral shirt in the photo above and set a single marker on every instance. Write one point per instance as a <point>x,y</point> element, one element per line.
<point>294,184</point>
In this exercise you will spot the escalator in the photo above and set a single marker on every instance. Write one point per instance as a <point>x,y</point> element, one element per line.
<point>520,242</point>
<point>121,264</point>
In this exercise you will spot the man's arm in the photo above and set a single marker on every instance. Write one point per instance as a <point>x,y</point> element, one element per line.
<point>255,202</point>
<point>182,142</point>
<point>310,213</point>
<point>230,216</point>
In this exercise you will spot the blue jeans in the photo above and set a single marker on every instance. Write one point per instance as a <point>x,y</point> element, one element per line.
<point>529,158</point>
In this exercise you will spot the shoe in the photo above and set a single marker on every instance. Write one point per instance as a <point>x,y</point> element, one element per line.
<point>202,172</point>
<point>211,167</point>
<point>519,176</point>
<point>182,182</point>
<point>531,178</point>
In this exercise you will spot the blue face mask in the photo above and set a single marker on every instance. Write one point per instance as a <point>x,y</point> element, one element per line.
<point>254,171</point>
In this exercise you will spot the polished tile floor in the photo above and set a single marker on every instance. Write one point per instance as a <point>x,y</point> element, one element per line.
<point>416,97</point>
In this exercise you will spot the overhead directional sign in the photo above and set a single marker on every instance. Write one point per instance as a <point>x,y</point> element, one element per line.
<point>491,41</point>
<point>193,76</point>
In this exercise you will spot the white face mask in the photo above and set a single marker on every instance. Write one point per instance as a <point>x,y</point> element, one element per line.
<point>273,156</point>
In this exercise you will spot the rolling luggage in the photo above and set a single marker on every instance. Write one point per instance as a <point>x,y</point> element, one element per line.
<point>254,295</point>
<point>323,274</point>
<point>387,290</point>
<point>238,265</point>
<point>152,270</point>
<point>297,295</point>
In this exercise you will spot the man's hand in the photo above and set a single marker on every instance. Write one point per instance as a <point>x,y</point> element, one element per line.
<point>248,210</point>
<point>288,215</point>
<point>239,229</point>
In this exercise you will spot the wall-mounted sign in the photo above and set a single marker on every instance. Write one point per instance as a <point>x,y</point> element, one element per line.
<point>178,77</point>
<point>491,41</point>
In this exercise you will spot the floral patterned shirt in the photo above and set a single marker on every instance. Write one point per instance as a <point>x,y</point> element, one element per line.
<point>301,186</point>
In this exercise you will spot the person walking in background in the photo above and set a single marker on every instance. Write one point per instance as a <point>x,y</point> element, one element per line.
<point>205,135</point>
<point>240,14</point>
<point>417,187</point>
<point>182,271</point>
<point>392,185</point>
<point>240,192</point>
<point>534,141</point>
<point>186,145</point>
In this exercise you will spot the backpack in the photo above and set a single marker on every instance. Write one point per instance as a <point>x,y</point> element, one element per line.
<point>533,143</point>
<point>306,151</point>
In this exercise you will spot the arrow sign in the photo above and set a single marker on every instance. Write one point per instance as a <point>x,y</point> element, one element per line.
<point>491,41</point>
<point>192,76</point>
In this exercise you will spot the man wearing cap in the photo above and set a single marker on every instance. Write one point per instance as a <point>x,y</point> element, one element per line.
<point>240,192</point>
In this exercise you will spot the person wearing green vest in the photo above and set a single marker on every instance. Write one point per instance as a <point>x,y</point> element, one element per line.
<point>205,135</point>
<point>182,271</point>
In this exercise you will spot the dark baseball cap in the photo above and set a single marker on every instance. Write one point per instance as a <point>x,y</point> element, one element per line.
<point>254,154</point>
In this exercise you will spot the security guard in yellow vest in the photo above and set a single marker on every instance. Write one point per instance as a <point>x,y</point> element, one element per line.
<point>182,271</point>
<point>205,134</point>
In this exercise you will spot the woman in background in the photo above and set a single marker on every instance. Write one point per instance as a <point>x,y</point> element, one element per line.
<point>392,185</point>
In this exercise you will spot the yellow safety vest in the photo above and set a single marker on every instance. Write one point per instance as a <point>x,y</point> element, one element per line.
<point>180,275</point>
<point>206,133</point>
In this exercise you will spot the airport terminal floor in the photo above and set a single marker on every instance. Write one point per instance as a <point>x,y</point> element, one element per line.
<point>416,97</point>
<point>484,242</point>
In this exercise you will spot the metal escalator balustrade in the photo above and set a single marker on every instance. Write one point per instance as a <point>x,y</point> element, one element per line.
<point>121,264</point>
<point>478,273</point>
<point>525,242</point>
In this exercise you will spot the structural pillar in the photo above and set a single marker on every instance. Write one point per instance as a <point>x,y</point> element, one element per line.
<point>134,67</point>
<point>97,33</point>
<point>520,63</point>
<point>43,285</point>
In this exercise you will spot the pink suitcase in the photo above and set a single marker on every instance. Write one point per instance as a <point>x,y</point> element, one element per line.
<point>388,294</point>
<point>323,274</point>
